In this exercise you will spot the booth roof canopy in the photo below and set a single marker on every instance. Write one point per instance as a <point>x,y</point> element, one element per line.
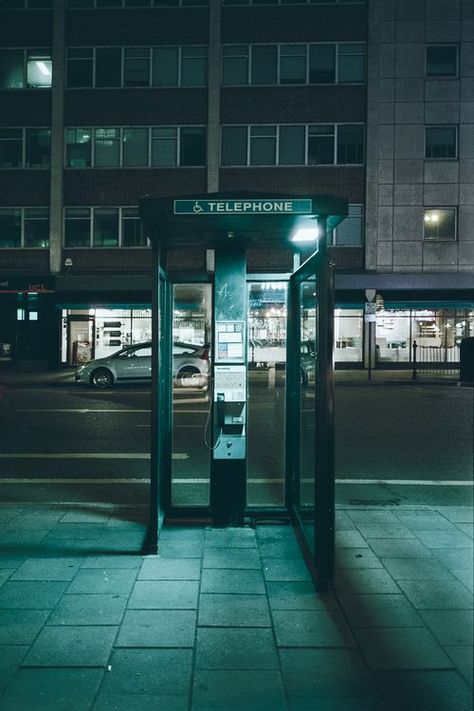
<point>259,219</point>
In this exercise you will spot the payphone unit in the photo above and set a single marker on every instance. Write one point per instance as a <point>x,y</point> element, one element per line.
<point>230,391</point>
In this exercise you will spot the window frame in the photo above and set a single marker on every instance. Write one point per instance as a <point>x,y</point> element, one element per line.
<point>120,226</point>
<point>23,139</point>
<point>429,127</point>
<point>433,240</point>
<point>429,45</point>
<point>42,52</point>
<point>23,221</point>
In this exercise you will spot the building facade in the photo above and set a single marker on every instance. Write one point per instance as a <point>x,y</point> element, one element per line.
<point>105,101</point>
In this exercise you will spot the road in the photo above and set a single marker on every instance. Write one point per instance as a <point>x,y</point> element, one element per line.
<point>398,444</point>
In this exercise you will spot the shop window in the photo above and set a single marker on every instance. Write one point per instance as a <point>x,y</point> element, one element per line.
<point>108,70</point>
<point>349,233</point>
<point>80,65</point>
<point>235,65</point>
<point>38,69</point>
<point>350,63</point>
<point>165,66</point>
<point>441,142</point>
<point>36,227</point>
<point>348,325</point>
<point>193,66</point>
<point>11,69</point>
<point>106,147</point>
<point>10,227</point>
<point>392,336</point>
<point>441,60</point>
<point>11,147</point>
<point>440,223</point>
<point>291,145</point>
<point>164,147</point>
<point>321,144</point>
<point>135,147</point>
<point>106,227</point>
<point>192,146</point>
<point>322,64</point>
<point>263,145</point>
<point>293,63</point>
<point>38,147</point>
<point>77,227</point>
<point>264,64</point>
<point>234,145</point>
<point>78,147</point>
<point>350,144</point>
<point>136,66</point>
<point>132,232</point>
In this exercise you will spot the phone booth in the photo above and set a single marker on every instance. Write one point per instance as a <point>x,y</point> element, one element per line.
<point>257,440</point>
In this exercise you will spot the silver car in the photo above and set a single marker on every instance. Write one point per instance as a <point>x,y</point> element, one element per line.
<point>133,364</point>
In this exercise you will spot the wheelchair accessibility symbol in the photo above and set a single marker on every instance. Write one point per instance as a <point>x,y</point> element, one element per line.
<point>197,207</point>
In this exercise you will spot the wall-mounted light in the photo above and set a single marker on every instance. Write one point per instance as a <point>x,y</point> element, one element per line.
<point>44,69</point>
<point>306,234</point>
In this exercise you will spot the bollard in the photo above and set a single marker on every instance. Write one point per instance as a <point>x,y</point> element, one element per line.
<point>414,374</point>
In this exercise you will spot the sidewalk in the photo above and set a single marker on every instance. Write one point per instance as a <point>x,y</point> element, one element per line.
<point>228,619</point>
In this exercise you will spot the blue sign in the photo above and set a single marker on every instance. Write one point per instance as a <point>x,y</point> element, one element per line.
<point>245,206</point>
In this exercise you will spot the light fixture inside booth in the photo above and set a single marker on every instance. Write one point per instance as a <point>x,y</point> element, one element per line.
<point>307,231</point>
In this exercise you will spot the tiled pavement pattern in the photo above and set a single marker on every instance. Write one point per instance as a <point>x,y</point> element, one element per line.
<point>228,619</point>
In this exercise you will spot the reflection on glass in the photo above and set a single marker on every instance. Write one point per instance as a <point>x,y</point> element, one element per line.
<point>266,393</point>
<point>308,356</point>
<point>191,402</point>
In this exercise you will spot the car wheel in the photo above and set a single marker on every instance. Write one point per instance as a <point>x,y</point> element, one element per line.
<point>102,378</point>
<point>191,378</point>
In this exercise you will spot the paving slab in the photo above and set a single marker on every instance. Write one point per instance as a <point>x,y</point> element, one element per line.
<point>379,610</point>
<point>158,628</point>
<point>215,690</point>
<point>424,690</point>
<point>216,610</point>
<point>165,595</point>
<point>391,648</point>
<point>449,595</point>
<point>148,671</point>
<point>158,568</point>
<point>71,646</point>
<point>103,580</point>
<point>31,595</point>
<point>51,690</point>
<point>298,595</point>
<point>232,558</point>
<point>416,569</point>
<point>311,628</point>
<point>316,673</point>
<point>243,582</point>
<point>85,609</point>
<point>48,569</point>
<point>140,702</point>
<point>21,626</point>
<point>236,648</point>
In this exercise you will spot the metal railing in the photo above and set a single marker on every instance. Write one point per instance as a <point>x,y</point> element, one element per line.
<point>435,359</point>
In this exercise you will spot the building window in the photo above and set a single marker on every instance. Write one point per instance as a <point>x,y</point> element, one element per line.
<point>11,148</point>
<point>441,142</point>
<point>321,144</point>
<point>106,147</point>
<point>38,147</point>
<point>132,232</point>
<point>112,4</point>
<point>108,70</point>
<point>440,223</point>
<point>165,66</point>
<point>349,233</point>
<point>193,66</point>
<point>322,64</point>
<point>135,147</point>
<point>136,66</point>
<point>292,2</point>
<point>10,227</point>
<point>80,67</point>
<point>288,145</point>
<point>106,227</point>
<point>264,64</point>
<point>192,146</point>
<point>291,145</point>
<point>293,63</point>
<point>77,227</point>
<point>350,63</point>
<point>263,145</point>
<point>36,227</point>
<point>38,69</point>
<point>441,60</point>
<point>78,147</point>
<point>24,227</point>
<point>350,144</point>
<point>12,69</point>
<point>20,4</point>
<point>103,227</point>
<point>235,64</point>
<point>164,147</point>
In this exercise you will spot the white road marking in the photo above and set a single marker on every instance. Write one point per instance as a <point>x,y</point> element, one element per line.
<point>403,482</point>
<point>85,455</point>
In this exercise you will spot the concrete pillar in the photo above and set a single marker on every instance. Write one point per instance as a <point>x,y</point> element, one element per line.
<point>57,138</point>
<point>213,96</point>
